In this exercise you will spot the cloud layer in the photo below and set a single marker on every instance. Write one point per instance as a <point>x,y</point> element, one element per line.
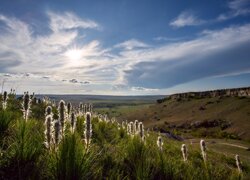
<point>236,8</point>
<point>62,59</point>
<point>213,53</point>
<point>186,18</point>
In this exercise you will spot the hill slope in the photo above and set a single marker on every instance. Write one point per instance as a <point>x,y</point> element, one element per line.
<point>219,114</point>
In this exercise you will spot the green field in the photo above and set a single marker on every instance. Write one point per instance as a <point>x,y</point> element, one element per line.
<point>112,151</point>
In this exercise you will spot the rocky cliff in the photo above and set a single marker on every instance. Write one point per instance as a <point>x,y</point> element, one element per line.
<point>235,92</point>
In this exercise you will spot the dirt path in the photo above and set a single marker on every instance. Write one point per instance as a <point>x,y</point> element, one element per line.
<point>235,145</point>
<point>228,144</point>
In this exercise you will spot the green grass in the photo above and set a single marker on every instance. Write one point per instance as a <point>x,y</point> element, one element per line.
<point>113,154</point>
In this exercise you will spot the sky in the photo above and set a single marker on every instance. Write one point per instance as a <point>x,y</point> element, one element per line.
<point>124,47</point>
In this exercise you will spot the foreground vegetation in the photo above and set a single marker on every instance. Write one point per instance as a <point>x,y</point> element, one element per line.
<point>103,149</point>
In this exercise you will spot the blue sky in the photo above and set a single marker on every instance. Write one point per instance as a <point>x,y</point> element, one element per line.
<point>129,47</point>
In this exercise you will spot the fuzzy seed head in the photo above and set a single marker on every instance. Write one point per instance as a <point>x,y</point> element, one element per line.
<point>131,130</point>
<point>90,108</point>
<point>48,111</point>
<point>73,122</point>
<point>48,131</point>
<point>238,163</point>
<point>62,117</point>
<point>203,149</point>
<point>88,129</point>
<point>57,132</point>
<point>141,130</point>
<point>26,106</point>
<point>123,125</point>
<point>118,125</point>
<point>85,108</point>
<point>26,101</point>
<point>81,108</point>
<point>128,128</point>
<point>136,127</point>
<point>105,117</point>
<point>113,120</point>
<point>160,142</point>
<point>5,97</point>
<point>184,152</point>
<point>69,107</point>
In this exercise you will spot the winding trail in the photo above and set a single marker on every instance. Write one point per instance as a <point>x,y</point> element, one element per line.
<point>223,143</point>
<point>235,145</point>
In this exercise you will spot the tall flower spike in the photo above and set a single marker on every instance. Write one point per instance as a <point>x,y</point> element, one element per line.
<point>113,120</point>
<point>61,110</point>
<point>88,129</point>
<point>73,122</point>
<point>32,96</point>
<point>26,106</point>
<point>85,108</point>
<point>184,151</point>
<point>136,129</point>
<point>57,132</point>
<point>69,107</point>
<point>141,130</point>
<point>48,111</point>
<point>131,130</point>
<point>128,128</point>
<point>5,97</point>
<point>48,131</point>
<point>90,108</point>
<point>123,125</point>
<point>105,117</point>
<point>160,143</point>
<point>203,149</point>
<point>53,103</point>
<point>118,125</point>
<point>81,109</point>
<point>238,163</point>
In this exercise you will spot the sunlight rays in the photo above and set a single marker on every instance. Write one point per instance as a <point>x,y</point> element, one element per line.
<point>74,56</point>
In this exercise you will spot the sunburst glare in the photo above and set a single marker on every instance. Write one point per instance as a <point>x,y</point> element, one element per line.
<point>74,56</point>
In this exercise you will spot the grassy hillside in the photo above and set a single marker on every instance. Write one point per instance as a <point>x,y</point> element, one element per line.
<point>113,152</point>
<point>215,117</point>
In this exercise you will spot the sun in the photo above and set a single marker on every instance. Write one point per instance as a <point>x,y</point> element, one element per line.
<point>74,55</point>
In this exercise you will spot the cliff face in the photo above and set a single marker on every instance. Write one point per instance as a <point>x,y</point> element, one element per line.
<point>235,92</point>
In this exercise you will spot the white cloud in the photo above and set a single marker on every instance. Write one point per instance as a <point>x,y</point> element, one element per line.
<point>131,44</point>
<point>186,18</point>
<point>68,20</point>
<point>21,51</point>
<point>237,8</point>
<point>47,59</point>
<point>142,89</point>
<point>164,66</point>
<point>171,39</point>
<point>239,5</point>
<point>43,56</point>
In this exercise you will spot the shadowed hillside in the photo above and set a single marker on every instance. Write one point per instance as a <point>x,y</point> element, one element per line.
<point>223,117</point>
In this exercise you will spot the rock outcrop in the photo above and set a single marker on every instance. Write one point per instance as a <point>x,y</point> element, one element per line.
<point>235,92</point>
